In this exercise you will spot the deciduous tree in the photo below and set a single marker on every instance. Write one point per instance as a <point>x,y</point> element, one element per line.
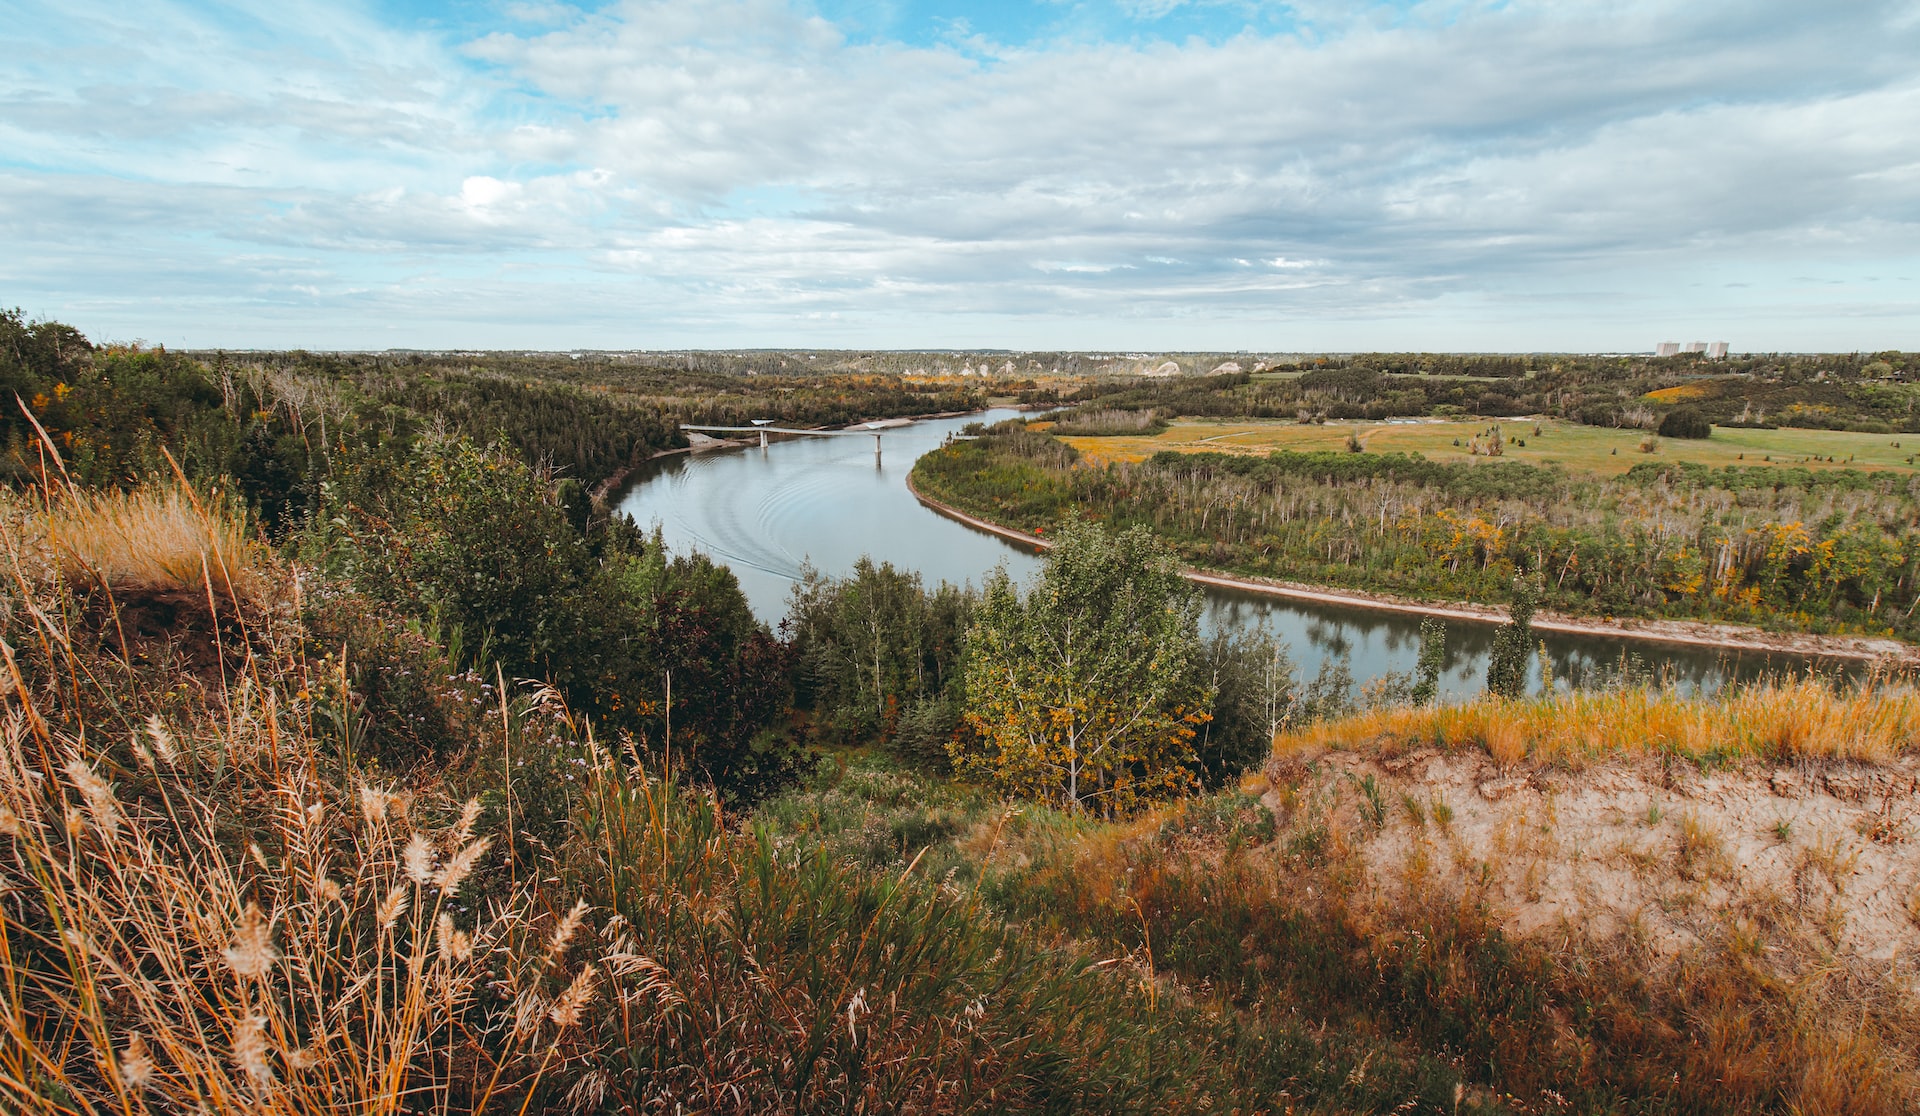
<point>1083,689</point>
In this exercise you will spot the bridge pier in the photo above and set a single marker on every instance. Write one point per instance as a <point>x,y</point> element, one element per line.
<point>876,449</point>
<point>763,439</point>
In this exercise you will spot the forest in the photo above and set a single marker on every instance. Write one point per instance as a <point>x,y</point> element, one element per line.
<point>1869,392</point>
<point>358,757</point>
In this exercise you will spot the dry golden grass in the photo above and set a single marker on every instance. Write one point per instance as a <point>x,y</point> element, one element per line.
<point>1602,451</point>
<point>147,965</point>
<point>158,540</point>
<point>198,911</point>
<point>1805,718</point>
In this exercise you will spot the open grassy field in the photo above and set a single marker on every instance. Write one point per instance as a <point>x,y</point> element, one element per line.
<point>1596,449</point>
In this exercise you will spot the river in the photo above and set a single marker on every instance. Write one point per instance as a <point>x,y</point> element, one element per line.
<point>825,502</point>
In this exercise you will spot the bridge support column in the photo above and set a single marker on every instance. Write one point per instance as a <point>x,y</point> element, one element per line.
<point>876,449</point>
<point>763,439</point>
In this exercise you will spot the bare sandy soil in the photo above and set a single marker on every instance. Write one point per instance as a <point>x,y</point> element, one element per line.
<point>1815,863</point>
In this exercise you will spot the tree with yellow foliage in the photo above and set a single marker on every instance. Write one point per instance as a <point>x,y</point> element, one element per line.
<point>1083,690</point>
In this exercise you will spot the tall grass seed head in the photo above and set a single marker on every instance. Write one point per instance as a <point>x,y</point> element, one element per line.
<point>102,807</point>
<point>136,1064</point>
<point>566,1011</point>
<point>469,814</point>
<point>252,952</point>
<point>455,945</point>
<point>461,864</point>
<point>564,932</point>
<point>250,1049</point>
<point>418,858</point>
<point>163,746</point>
<point>392,907</point>
<point>373,805</point>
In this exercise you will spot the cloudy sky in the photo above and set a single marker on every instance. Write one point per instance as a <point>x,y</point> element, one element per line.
<point>1090,174</point>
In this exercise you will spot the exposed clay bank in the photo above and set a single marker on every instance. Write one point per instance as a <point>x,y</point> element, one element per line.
<point>825,502</point>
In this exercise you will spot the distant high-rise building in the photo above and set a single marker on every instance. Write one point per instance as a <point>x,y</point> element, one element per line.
<point>1717,351</point>
<point>1666,348</point>
<point>1696,346</point>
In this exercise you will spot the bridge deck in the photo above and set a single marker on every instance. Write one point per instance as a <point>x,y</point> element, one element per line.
<point>780,430</point>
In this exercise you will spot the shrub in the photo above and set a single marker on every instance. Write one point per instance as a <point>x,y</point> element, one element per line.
<point>1685,422</point>
<point>1433,660</point>
<point>1250,676</point>
<point>1106,423</point>
<point>661,646</point>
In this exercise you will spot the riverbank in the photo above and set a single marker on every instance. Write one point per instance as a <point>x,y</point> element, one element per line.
<point>1689,633</point>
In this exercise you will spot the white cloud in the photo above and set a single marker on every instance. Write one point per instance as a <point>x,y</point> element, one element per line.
<point>1556,170</point>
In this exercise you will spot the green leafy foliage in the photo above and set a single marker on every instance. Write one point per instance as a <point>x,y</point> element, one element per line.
<point>1105,423</point>
<point>1827,552</point>
<point>1513,642</point>
<point>1082,691</point>
<point>582,435</point>
<point>1685,422</point>
<point>1433,659</point>
<point>1843,391</point>
<point>1250,677</point>
<point>879,657</point>
<point>479,543</point>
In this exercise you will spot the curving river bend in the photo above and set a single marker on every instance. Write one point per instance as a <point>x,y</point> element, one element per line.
<point>825,502</point>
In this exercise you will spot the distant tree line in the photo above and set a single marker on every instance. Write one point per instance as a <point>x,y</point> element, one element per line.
<point>1860,391</point>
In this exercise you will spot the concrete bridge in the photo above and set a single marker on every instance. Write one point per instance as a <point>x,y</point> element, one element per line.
<point>764,429</point>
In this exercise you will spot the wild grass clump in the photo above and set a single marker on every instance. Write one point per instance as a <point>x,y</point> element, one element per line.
<point>1348,995</point>
<point>202,908</point>
<point>768,977</point>
<point>160,952</point>
<point>213,899</point>
<point>1560,1022</point>
<point>161,540</point>
<point>1807,718</point>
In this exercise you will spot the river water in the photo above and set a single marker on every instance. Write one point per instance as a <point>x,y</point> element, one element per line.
<point>826,501</point>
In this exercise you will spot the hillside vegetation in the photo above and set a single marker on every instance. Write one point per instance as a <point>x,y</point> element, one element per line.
<point>355,758</point>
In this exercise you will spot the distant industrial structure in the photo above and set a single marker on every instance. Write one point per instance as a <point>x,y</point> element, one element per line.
<point>1716,350</point>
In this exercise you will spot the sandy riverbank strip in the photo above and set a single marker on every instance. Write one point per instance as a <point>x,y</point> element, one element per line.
<point>1691,633</point>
